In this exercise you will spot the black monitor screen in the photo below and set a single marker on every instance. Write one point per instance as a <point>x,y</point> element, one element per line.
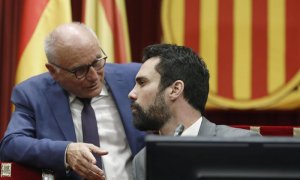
<point>191,158</point>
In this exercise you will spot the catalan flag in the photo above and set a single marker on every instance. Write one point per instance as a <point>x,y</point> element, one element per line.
<point>109,20</point>
<point>251,47</point>
<point>39,18</point>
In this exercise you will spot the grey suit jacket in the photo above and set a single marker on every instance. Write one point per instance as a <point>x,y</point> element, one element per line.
<point>207,129</point>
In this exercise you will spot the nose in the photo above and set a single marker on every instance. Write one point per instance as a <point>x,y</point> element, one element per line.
<point>92,74</point>
<point>132,95</point>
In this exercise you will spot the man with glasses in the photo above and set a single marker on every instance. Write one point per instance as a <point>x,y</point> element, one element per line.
<point>47,130</point>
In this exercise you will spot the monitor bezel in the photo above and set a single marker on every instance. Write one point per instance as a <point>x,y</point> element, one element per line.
<point>164,152</point>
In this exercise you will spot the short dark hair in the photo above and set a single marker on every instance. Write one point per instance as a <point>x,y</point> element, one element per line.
<point>181,63</point>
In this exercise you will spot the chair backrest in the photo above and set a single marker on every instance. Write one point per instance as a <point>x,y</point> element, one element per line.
<point>273,130</point>
<point>15,171</point>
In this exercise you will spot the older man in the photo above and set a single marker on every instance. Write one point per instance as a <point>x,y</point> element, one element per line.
<point>63,116</point>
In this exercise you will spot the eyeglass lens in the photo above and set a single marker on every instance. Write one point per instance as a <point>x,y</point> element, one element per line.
<point>80,72</point>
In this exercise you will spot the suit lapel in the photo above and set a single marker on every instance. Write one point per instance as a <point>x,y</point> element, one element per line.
<point>59,104</point>
<point>115,85</point>
<point>207,128</point>
<point>119,90</point>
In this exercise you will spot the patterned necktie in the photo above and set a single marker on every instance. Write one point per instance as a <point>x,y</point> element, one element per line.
<point>89,127</point>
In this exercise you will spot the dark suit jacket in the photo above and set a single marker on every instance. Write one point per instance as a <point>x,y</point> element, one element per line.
<point>41,125</point>
<point>207,129</point>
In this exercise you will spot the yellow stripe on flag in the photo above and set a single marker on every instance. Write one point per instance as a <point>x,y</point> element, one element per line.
<point>283,92</point>
<point>242,49</point>
<point>33,58</point>
<point>276,44</point>
<point>96,18</point>
<point>173,26</point>
<point>209,38</point>
<point>90,10</point>
<point>121,7</point>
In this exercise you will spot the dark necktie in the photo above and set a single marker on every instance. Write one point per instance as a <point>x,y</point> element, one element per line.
<point>89,126</point>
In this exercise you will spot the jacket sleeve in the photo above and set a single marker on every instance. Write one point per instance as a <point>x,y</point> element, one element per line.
<point>21,144</point>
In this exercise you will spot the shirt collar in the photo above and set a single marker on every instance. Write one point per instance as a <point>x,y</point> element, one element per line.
<point>193,130</point>
<point>104,92</point>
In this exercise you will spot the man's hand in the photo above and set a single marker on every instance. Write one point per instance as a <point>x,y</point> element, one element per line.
<point>82,161</point>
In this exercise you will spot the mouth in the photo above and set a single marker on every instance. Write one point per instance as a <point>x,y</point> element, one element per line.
<point>135,108</point>
<point>93,87</point>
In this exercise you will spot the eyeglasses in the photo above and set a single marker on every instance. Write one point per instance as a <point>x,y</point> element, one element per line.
<point>81,71</point>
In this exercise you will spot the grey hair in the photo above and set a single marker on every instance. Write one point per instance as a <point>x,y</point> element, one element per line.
<point>49,44</point>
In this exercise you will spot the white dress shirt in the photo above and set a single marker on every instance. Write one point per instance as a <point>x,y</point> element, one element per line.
<point>193,130</point>
<point>117,163</point>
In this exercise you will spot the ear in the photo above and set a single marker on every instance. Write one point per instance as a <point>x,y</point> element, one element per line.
<point>176,89</point>
<point>52,70</point>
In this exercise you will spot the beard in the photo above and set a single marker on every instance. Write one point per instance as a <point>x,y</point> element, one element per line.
<point>154,118</point>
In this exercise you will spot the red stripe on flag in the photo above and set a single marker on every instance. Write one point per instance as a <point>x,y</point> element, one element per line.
<point>83,9</point>
<point>292,38</point>
<point>191,24</point>
<point>115,21</point>
<point>225,49</point>
<point>32,11</point>
<point>259,48</point>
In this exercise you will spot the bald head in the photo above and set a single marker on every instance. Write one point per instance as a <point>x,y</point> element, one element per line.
<point>67,39</point>
<point>72,48</point>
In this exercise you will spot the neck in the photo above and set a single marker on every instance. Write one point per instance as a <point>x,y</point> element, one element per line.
<point>186,116</point>
<point>168,128</point>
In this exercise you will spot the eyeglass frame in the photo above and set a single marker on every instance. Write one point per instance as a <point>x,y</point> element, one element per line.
<point>73,71</point>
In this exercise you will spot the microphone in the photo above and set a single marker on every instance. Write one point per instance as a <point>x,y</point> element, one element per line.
<point>179,129</point>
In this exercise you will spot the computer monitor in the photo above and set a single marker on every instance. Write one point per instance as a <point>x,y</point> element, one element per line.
<point>211,158</point>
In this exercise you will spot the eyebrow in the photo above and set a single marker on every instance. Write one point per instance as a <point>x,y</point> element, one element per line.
<point>140,78</point>
<point>78,66</point>
<point>82,65</point>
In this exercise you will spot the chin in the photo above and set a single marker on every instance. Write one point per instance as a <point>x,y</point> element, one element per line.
<point>95,93</point>
<point>91,94</point>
